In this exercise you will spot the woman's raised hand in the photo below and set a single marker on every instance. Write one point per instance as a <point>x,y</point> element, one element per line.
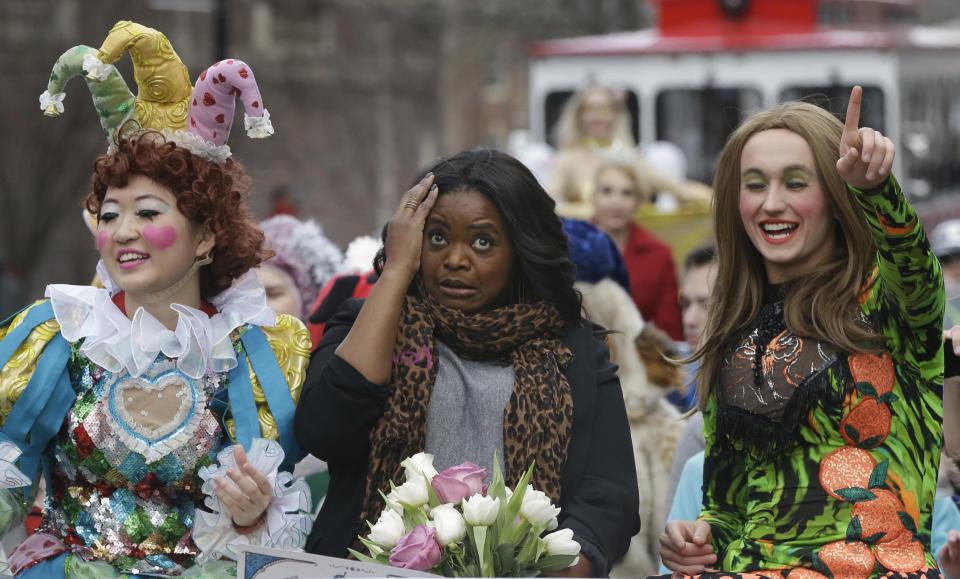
<point>685,547</point>
<point>405,230</point>
<point>866,156</point>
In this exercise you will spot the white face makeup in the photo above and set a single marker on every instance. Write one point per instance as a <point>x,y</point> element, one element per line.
<point>146,244</point>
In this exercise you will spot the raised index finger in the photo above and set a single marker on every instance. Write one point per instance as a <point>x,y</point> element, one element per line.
<point>852,122</point>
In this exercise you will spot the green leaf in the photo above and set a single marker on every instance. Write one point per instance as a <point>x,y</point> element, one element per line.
<point>867,389</point>
<point>408,523</point>
<point>520,532</point>
<point>820,566</point>
<point>384,554</point>
<point>851,432</point>
<point>856,495</point>
<point>854,529</point>
<point>509,514</point>
<point>529,549</point>
<point>482,549</point>
<point>879,475</point>
<point>497,486</point>
<point>507,562</point>
<point>555,562</point>
<point>361,557</point>
<point>541,549</point>
<point>874,538</point>
<point>871,442</point>
<point>888,398</point>
<point>432,499</point>
<point>908,522</point>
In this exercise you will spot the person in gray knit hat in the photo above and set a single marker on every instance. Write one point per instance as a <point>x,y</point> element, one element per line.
<point>305,260</point>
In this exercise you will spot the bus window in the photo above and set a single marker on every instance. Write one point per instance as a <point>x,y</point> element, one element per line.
<point>555,101</point>
<point>699,121</point>
<point>930,144</point>
<point>834,98</point>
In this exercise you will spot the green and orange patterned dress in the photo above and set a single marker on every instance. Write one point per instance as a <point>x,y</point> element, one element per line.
<point>823,463</point>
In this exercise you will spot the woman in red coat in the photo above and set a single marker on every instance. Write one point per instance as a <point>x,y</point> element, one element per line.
<point>653,279</point>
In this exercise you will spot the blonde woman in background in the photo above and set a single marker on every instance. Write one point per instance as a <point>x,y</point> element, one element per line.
<point>596,121</point>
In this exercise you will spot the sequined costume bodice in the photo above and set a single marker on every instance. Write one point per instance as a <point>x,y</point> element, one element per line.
<point>124,480</point>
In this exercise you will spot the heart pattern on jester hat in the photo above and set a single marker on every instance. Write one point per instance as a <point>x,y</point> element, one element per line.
<point>151,410</point>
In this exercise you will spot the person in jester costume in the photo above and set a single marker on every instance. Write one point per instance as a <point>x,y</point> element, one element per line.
<point>159,408</point>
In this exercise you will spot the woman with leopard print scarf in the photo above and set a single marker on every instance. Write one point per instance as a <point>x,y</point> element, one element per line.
<point>472,343</point>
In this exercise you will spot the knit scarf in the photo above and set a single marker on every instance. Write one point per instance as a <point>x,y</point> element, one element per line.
<point>537,419</point>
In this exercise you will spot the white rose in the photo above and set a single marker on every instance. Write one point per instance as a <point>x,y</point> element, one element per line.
<point>479,510</point>
<point>561,543</point>
<point>388,530</point>
<point>420,464</point>
<point>449,524</point>
<point>412,493</point>
<point>537,508</point>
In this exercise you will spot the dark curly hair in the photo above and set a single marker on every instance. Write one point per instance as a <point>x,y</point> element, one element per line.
<point>207,194</point>
<point>545,269</point>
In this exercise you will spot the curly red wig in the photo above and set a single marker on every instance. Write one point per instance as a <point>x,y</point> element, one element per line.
<point>207,193</point>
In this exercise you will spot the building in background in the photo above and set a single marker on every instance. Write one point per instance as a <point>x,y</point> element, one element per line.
<point>363,93</point>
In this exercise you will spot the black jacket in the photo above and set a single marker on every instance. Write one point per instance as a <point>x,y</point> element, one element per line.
<point>599,501</point>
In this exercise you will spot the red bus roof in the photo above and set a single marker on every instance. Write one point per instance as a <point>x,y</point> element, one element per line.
<point>703,26</point>
<point>759,39</point>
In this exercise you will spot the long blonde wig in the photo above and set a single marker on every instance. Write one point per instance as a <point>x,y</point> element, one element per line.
<point>820,302</point>
<point>568,133</point>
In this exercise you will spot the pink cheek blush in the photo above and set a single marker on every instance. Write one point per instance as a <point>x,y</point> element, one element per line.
<point>101,239</point>
<point>160,237</point>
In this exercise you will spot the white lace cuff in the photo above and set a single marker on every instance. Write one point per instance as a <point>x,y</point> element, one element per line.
<point>287,523</point>
<point>258,127</point>
<point>11,477</point>
<point>95,68</point>
<point>55,101</point>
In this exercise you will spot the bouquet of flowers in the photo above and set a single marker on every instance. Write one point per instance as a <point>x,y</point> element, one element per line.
<point>453,525</point>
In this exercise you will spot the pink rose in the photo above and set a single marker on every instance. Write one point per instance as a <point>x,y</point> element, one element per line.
<point>459,482</point>
<point>417,550</point>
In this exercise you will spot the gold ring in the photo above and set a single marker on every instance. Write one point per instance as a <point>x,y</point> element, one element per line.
<point>411,203</point>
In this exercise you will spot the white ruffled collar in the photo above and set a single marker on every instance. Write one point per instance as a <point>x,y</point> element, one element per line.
<point>200,343</point>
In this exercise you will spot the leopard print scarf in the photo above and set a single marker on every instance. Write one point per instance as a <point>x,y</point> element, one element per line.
<point>537,420</point>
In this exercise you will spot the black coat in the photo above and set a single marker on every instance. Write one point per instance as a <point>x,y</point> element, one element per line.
<point>599,500</point>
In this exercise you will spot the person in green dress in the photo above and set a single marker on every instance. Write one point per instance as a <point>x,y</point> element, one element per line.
<point>822,363</point>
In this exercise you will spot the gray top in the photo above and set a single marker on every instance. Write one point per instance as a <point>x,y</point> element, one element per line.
<point>465,416</point>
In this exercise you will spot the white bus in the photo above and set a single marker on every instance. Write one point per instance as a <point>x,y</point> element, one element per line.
<point>712,62</point>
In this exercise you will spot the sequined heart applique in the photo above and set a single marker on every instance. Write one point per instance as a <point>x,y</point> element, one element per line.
<point>152,409</point>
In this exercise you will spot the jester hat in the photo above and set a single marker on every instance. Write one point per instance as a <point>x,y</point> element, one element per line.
<point>165,97</point>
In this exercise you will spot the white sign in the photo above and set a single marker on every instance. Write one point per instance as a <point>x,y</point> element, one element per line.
<point>263,563</point>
